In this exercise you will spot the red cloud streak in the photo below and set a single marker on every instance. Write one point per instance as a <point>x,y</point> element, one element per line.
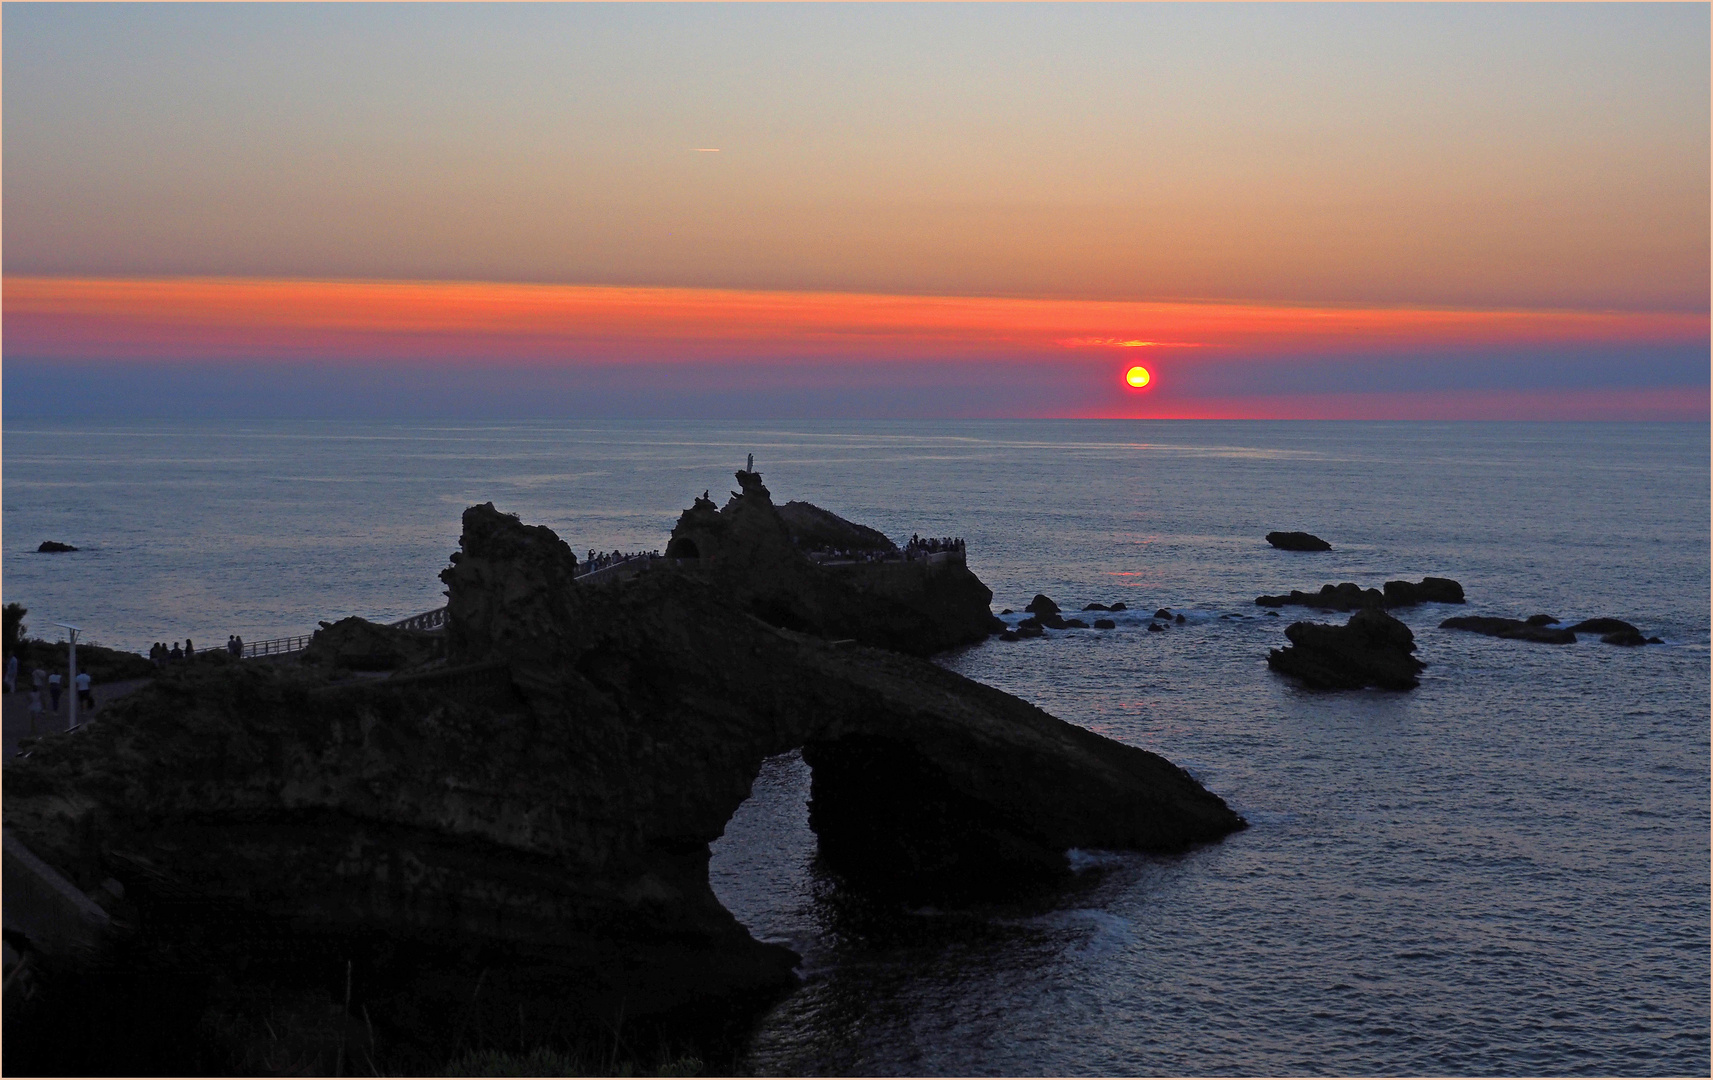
<point>384,322</point>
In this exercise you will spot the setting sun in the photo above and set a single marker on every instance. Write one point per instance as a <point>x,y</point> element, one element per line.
<point>1137,377</point>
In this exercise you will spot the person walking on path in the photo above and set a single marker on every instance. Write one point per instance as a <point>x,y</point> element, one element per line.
<point>12,674</point>
<point>53,690</point>
<point>35,708</point>
<point>39,680</point>
<point>85,695</point>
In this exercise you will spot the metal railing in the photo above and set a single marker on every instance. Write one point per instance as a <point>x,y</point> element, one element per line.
<point>428,620</point>
<point>277,646</point>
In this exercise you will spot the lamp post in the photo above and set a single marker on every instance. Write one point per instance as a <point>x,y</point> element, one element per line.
<point>71,655</point>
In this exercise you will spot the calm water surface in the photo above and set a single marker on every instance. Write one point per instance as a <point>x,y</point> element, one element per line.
<point>1502,872</point>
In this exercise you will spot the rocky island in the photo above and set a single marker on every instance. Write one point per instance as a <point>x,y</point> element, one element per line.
<point>507,827</point>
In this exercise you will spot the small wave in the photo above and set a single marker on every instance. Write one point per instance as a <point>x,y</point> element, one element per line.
<point>1102,932</point>
<point>1083,861</point>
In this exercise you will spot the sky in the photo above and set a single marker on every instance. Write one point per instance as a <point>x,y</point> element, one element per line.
<point>1343,211</point>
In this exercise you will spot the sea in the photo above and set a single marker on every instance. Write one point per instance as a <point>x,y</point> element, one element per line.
<point>1502,872</point>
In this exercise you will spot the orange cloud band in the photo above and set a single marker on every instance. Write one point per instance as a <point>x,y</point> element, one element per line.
<point>234,319</point>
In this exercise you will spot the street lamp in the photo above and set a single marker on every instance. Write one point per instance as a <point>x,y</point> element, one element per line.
<point>71,653</point>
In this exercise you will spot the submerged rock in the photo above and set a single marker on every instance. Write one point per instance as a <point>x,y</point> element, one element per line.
<point>1163,613</point>
<point>1074,624</point>
<point>1510,629</point>
<point>53,546</point>
<point>1372,649</point>
<point>1297,541</point>
<point>1096,606</point>
<point>1105,624</point>
<point>1541,620</point>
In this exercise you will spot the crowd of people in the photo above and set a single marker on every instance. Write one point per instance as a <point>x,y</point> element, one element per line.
<point>921,546</point>
<point>600,560</point>
<point>918,547</point>
<point>163,654</point>
<point>52,686</point>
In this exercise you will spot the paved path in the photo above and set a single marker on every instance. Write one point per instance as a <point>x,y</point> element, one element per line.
<point>17,712</point>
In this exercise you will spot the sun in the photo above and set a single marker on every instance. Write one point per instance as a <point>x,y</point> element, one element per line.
<point>1137,377</point>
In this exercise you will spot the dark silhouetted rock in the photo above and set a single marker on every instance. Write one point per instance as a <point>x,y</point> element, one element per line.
<point>745,550</point>
<point>1624,637</point>
<point>1009,635</point>
<point>1540,620</point>
<point>1656,641</point>
<point>1372,649</point>
<point>1096,607</point>
<point>1430,590</point>
<point>996,625</point>
<point>1104,624</point>
<point>1042,605</point>
<point>1053,620</point>
<point>1117,607</point>
<point>813,528</point>
<point>1180,618</point>
<point>1349,596</point>
<point>530,821</point>
<point>1156,628</point>
<point>1027,629</point>
<point>1510,629</point>
<point>1297,541</point>
<point>1604,626</point>
<point>1075,624</point>
<point>1163,613</point>
<point>1008,611</point>
<point>365,646</point>
<point>54,546</point>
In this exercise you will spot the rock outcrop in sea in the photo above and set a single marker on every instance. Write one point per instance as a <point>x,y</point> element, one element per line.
<point>1297,541</point>
<point>746,550</point>
<point>1372,649</point>
<point>1512,629</point>
<point>1350,596</point>
<point>1540,628</point>
<point>522,828</point>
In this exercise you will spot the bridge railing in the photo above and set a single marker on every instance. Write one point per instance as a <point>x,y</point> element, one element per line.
<point>428,620</point>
